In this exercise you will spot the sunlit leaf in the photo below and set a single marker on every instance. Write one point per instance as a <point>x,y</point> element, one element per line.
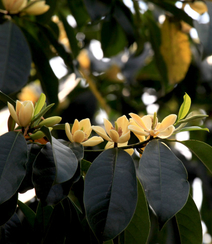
<point>175,49</point>
<point>189,223</point>
<point>185,107</point>
<point>110,193</point>
<point>137,231</point>
<point>164,179</point>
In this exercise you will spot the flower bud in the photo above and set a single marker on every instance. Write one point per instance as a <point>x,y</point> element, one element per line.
<point>23,113</point>
<point>14,6</point>
<point>36,7</point>
<point>50,121</point>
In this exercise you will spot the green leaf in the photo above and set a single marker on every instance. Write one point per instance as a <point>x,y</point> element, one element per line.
<point>40,103</point>
<point>137,231</point>
<point>164,179</point>
<point>15,61</point>
<point>65,161</point>
<point>193,128</point>
<point>4,98</point>
<point>202,150</point>
<point>185,107</point>
<point>113,38</point>
<point>28,213</point>
<point>192,116</point>
<point>110,193</point>
<point>13,157</point>
<point>189,223</point>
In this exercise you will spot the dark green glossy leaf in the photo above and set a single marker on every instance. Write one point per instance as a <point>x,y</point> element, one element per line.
<point>15,61</point>
<point>110,193</point>
<point>65,161</point>
<point>46,17</point>
<point>28,213</point>
<point>137,231</point>
<point>4,98</point>
<point>113,38</point>
<point>13,157</point>
<point>189,223</point>
<point>164,179</point>
<point>7,209</point>
<point>202,150</point>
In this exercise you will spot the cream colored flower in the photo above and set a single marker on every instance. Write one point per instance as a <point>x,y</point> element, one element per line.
<point>80,133</point>
<point>148,125</point>
<point>35,7</point>
<point>14,6</point>
<point>118,134</point>
<point>23,112</point>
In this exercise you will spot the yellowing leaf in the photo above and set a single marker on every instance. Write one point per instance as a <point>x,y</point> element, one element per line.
<point>175,49</point>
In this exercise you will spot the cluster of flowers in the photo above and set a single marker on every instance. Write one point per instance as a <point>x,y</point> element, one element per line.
<point>32,7</point>
<point>118,135</point>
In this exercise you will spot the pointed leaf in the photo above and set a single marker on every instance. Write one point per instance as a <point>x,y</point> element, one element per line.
<point>28,213</point>
<point>15,61</point>
<point>189,223</point>
<point>13,157</point>
<point>185,107</point>
<point>193,128</point>
<point>65,160</point>
<point>110,193</point>
<point>202,150</point>
<point>138,230</point>
<point>164,179</point>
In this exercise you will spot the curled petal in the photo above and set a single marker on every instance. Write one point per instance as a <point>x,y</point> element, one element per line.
<point>79,136</point>
<point>12,112</point>
<point>114,135</point>
<point>68,133</point>
<point>124,138</point>
<point>166,133</point>
<point>108,126</point>
<point>137,130</point>
<point>75,126</point>
<point>85,125</point>
<point>93,141</point>
<point>167,121</point>
<point>123,122</point>
<point>139,121</point>
<point>101,132</point>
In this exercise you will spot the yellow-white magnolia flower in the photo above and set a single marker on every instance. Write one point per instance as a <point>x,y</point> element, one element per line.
<point>33,7</point>
<point>118,134</point>
<point>80,133</point>
<point>14,6</point>
<point>23,112</point>
<point>148,125</point>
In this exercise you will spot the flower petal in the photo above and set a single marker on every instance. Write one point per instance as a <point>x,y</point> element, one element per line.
<point>148,119</point>
<point>123,122</point>
<point>68,133</point>
<point>114,135</point>
<point>124,138</point>
<point>101,132</point>
<point>108,126</point>
<point>85,125</point>
<point>139,121</point>
<point>26,113</point>
<point>79,136</point>
<point>167,121</point>
<point>75,126</point>
<point>36,8</point>
<point>167,133</point>
<point>137,130</point>
<point>93,141</point>
<point>12,112</point>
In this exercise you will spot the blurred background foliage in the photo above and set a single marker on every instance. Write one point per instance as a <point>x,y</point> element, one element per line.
<point>130,56</point>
